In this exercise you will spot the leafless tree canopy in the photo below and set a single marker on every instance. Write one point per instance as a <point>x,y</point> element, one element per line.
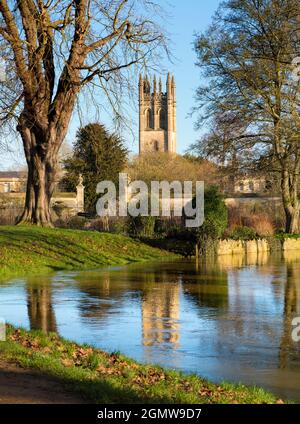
<point>52,49</point>
<point>247,57</point>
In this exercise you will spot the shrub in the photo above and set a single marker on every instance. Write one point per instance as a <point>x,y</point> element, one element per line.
<point>216,213</point>
<point>243,233</point>
<point>283,235</point>
<point>101,224</point>
<point>76,223</point>
<point>119,226</point>
<point>235,216</point>
<point>166,226</point>
<point>179,233</point>
<point>262,224</point>
<point>266,217</point>
<point>215,221</point>
<point>141,226</point>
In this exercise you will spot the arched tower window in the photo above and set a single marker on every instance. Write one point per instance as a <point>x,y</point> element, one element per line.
<point>162,119</point>
<point>148,119</point>
<point>156,146</point>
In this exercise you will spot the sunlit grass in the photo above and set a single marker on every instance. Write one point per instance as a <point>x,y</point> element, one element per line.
<point>34,250</point>
<point>113,378</point>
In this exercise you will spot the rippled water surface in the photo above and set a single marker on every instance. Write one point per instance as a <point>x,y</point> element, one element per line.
<point>225,320</point>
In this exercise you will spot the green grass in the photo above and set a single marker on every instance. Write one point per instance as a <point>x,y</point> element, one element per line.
<point>287,236</point>
<point>33,250</point>
<point>113,378</point>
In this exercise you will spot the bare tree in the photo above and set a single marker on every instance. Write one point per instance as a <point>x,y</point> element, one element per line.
<point>248,55</point>
<point>53,49</point>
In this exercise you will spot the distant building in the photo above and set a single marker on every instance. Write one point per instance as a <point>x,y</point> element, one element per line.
<point>12,182</point>
<point>250,185</point>
<point>13,188</point>
<point>157,116</point>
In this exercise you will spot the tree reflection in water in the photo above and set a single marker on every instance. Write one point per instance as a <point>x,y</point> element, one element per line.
<point>237,309</point>
<point>39,304</point>
<point>289,349</point>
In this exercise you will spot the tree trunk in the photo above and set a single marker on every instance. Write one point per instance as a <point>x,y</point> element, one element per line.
<point>292,220</point>
<point>37,202</point>
<point>40,159</point>
<point>291,202</point>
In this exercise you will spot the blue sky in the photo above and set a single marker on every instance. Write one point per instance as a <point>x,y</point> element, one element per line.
<point>190,16</point>
<point>187,17</point>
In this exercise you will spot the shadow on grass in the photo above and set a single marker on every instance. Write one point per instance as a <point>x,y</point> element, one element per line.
<point>185,248</point>
<point>60,250</point>
<point>38,386</point>
<point>73,253</point>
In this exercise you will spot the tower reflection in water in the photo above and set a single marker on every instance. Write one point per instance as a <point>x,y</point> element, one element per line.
<point>160,314</point>
<point>157,293</point>
<point>181,307</point>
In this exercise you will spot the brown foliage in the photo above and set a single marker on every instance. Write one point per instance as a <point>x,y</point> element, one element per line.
<point>165,167</point>
<point>52,60</point>
<point>261,222</point>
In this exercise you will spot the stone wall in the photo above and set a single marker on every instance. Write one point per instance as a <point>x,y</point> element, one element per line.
<point>64,204</point>
<point>238,202</point>
<point>12,185</point>
<point>291,244</point>
<point>233,247</point>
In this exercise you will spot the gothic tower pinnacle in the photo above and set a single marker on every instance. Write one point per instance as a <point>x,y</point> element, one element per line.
<point>157,115</point>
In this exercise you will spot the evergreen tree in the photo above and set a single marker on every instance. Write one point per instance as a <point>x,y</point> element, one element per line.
<point>98,156</point>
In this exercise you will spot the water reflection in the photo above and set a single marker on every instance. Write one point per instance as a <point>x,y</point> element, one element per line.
<point>40,308</point>
<point>156,294</point>
<point>290,310</point>
<point>226,319</point>
<point>160,314</point>
<point>207,284</point>
<point>100,296</point>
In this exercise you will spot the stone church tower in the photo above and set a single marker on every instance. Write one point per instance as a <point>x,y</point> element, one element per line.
<point>157,115</point>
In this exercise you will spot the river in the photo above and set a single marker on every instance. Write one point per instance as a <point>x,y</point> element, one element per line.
<point>229,319</point>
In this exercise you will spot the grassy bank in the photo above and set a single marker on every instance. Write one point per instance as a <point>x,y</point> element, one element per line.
<point>34,250</point>
<point>112,378</point>
<point>283,236</point>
